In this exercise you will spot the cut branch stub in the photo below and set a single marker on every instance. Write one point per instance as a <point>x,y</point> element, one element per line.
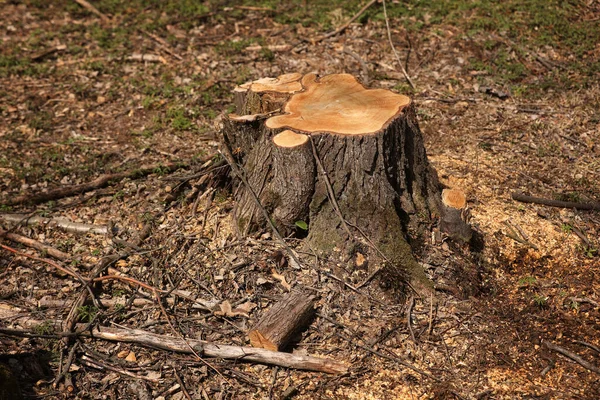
<point>343,146</point>
<point>454,221</point>
<point>266,94</point>
<point>286,318</point>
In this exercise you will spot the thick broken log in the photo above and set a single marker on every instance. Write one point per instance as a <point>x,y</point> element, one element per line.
<point>278,326</point>
<point>348,161</point>
<point>179,345</point>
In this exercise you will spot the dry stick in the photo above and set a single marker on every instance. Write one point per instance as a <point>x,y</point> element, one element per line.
<point>92,9</point>
<point>207,305</point>
<point>362,63</point>
<point>100,365</point>
<point>181,385</point>
<point>343,27</point>
<point>391,358</point>
<point>584,300</point>
<point>591,346</point>
<point>411,304</point>
<point>239,172</point>
<point>389,34</point>
<point>521,238</point>
<point>100,182</point>
<point>572,356</point>
<point>162,309</point>
<point>44,248</point>
<point>162,43</point>
<point>69,226</point>
<point>66,270</point>
<point>164,342</point>
<point>555,203</point>
<point>64,368</point>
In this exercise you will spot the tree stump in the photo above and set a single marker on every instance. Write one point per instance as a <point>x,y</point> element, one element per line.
<point>346,160</point>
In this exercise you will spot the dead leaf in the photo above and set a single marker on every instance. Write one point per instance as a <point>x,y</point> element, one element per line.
<point>131,357</point>
<point>282,280</point>
<point>242,310</point>
<point>261,281</point>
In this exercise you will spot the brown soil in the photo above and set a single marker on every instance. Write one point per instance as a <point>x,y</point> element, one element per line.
<point>531,274</point>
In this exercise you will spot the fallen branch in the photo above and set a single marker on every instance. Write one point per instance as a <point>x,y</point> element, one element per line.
<point>555,203</point>
<point>164,342</point>
<point>575,357</point>
<point>591,346</point>
<point>100,182</point>
<point>67,225</point>
<point>65,270</point>
<point>44,248</point>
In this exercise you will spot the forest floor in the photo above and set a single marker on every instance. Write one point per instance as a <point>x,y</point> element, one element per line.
<point>508,99</point>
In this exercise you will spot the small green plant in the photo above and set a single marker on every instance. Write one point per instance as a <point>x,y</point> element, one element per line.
<point>540,300</point>
<point>220,196</point>
<point>161,170</point>
<point>45,328</point>
<point>87,313</point>
<point>302,225</point>
<point>574,305</point>
<point>487,146</point>
<point>566,228</point>
<point>589,251</point>
<point>96,252</point>
<point>526,281</point>
<point>179,121</point>
<point>147,217</point>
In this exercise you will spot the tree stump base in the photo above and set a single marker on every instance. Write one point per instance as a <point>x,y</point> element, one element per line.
<point>346,161</point>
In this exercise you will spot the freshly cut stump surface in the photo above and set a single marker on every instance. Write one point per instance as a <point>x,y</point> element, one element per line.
<point>327,143</point>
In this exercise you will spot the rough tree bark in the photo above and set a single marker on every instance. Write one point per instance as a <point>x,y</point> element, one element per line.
<point>347,160</point>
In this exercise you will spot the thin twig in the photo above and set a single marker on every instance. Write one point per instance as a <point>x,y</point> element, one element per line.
<point>575,357</point>
<point>343,27</point>
<point>411,304</point>
<point>362,63</point>
<point>178,333</point>
<point>181,385</point>
<point>101,365</point>
<point>44,248</point>
<point>162,43</point>
<point>66,270</point>
<point>64,368</point>
<point>100,182</point>
<point>591,346</point>
<point>391,358</point>
<point>389,34</point>
<point>330,191</point>
<point>239,172</point>
<point>92,9</point>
